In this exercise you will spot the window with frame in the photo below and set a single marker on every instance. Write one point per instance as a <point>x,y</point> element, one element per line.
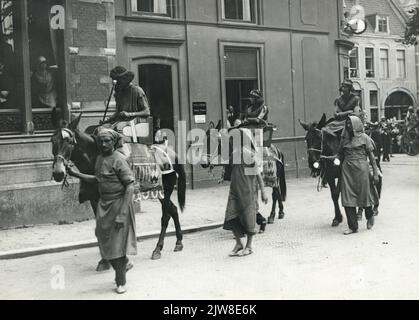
<point>32,78</point>
<point>374,98</point>
<point>353,63</point>
<point>401,64</point>
<point>384,72</point>
<point>154,7</point>
<point>242,74</point>
<point>382,24</point>
<point>373,105</point>
<point>239,10</point>
<point>369,63</point>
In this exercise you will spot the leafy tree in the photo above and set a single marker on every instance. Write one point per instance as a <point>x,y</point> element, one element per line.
<point>412,28</point>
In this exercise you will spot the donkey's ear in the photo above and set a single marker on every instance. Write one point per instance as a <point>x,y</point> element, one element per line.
<point>322,122</point>
<point>75,122</point>
<point>218,127</point>
<point>211,125</point>
<point>304,125</point>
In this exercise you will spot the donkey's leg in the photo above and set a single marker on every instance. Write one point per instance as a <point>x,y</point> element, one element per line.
<point>169,182</point>
<point>179,236</point>
<point>271,218</point>
<point>164,223</point>
<point>281,213</point>
<point>334,191</point>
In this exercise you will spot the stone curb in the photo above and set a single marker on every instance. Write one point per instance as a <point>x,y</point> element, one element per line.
<point>29,252</point>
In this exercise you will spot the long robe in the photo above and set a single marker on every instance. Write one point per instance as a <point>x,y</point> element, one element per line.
<point>114,174</point>
<point>357,188</point>
<point>242,204</point>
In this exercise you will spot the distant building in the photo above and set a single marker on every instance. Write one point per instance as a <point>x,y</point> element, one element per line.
<point>382,68</point>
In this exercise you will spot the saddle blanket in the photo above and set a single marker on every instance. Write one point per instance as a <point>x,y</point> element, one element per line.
<point>147,172</point>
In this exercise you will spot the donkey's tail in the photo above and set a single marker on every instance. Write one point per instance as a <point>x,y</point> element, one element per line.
<point>281,176</point>
<point>181,185</point>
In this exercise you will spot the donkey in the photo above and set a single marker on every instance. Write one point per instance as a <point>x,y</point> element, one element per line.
<point>320,161</point>
<point>323,164</point>
<point>71,145</point>
<point>272,157</point>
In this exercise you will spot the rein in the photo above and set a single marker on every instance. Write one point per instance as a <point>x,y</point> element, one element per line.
<point>66,162</point>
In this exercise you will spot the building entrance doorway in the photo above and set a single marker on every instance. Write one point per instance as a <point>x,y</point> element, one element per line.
<point>397,104</point>
<point>156,80</point>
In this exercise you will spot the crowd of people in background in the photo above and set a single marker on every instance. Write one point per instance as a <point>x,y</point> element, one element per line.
<point>396,134</point>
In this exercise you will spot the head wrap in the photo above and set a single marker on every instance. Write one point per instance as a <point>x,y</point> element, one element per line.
<point>41,59</point>
<point>347,83</point>
<point>110,133</point>
<point>359,137</point>
<point>256,93</point>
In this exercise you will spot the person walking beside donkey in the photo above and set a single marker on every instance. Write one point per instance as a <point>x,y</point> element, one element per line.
<point>240,215</point>
<point>357,187</point>
<point>115,221</point>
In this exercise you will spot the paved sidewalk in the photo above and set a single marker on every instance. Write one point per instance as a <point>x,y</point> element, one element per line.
<point>204,209</point>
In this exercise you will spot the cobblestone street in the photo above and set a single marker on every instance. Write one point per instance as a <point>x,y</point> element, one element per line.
<point>300,257</point>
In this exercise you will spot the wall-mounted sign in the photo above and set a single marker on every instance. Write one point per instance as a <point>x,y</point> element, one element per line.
<point>355,22</point>
<point>199,110</point>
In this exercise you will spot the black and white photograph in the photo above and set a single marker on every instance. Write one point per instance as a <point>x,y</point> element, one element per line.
<point>209,150</point>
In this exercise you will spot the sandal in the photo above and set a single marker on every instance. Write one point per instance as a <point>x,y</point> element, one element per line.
<point>235,252</point>
<point>347,232</point>
<point>245,252</point>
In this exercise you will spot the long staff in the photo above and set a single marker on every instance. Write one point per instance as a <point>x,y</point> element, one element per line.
<point>109,99</point>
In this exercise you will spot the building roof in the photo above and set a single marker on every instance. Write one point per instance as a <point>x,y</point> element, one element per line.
<point>390,8</point>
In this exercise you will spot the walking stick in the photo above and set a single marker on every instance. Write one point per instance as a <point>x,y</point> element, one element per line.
<point>109,99</point>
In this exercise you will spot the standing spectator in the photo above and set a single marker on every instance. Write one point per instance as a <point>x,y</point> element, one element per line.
<point>357,189</point>
<point>44,92</point>
<point>115,221</point>
<point>386,139</point>
<point>240,215</point>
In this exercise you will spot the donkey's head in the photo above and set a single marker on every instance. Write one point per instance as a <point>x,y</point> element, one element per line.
<point>63,144</point>
<point>213,141</point>
<point>314,143</point>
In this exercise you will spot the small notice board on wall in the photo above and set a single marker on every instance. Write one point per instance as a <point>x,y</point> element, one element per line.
<point>199,110</point>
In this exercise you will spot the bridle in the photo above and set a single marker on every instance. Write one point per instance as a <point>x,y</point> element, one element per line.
<point>322,158</point>
<point>59,156</point>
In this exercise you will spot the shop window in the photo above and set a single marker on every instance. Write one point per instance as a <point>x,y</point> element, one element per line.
<point>353,63</point>
<point>154,7</point>
<point>239,10</point>
<point>369,63</point>
<point>26,105</point>
<point>241,76</point>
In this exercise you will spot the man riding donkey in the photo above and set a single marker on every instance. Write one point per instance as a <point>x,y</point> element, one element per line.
<point>345,136</point>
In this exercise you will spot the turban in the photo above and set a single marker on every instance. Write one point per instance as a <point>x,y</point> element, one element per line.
<point>110,133</point>
<point>256,93</point>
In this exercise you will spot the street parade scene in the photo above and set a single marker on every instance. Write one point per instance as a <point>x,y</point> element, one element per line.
<point>209,150</point>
